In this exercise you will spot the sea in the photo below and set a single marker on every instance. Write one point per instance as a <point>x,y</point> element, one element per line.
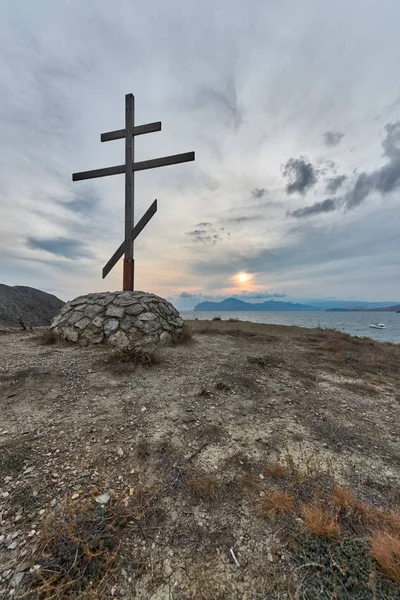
<point>354,323</point>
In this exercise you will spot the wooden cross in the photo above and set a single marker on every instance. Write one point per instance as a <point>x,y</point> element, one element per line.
<point>129,168</point>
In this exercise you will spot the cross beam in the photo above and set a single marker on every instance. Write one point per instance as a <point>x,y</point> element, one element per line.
<point>129,168</point>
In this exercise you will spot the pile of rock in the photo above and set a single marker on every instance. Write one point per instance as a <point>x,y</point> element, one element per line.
<point>118,318</point>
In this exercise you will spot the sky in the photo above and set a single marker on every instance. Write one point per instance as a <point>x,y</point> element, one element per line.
<point>292,109</point>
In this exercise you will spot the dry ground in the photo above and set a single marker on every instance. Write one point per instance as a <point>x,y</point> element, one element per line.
<point>188,448</point>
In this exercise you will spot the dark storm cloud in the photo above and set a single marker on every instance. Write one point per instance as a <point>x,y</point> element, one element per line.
<point>332,138</point>
<point>59,246</point>
<point>258,192</point>
<point>334,183</point>
<point>301,175</point>
<point>327,205</point>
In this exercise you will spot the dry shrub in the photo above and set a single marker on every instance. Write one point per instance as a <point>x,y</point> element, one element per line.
<point>265,361</point>
<point>145,355</point>
<point>277,503</point>
<point>385,549</point>
<point>184,336</point>
<point>320,521</point>
<point>77,553</point>
<point>48,337</point>
<point>205,487</point>
<point>275,470</point>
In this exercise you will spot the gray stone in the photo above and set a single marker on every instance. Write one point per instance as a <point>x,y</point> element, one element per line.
<point>147,326</point>
<point>148,316</point>
<point>124,301</point>
<point>115,311</point>
<point>106,300</point>
<point>16,580</point>
<point>92,311</point>
<point>98,321</point>
<point>165,337</point>
<point>74,317</point>
<point>79,300</point>
<point>70,334</point>
<point>134,310</point>
<point>110,326</point>
<point>126,323</point>
<point>119,339</point>
<point>84,322</point>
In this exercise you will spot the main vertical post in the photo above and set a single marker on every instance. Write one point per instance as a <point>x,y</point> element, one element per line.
<point>129,262</point>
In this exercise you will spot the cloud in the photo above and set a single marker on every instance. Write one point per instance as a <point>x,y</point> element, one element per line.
<point>332,138</point>
<point>224,101</point>
<point>383,180</point>
<point>187,295</point>
<point>325,206</point>
<point>301,174</point>
<point>244,219</point>
<point>84,202</point>
<point>59,246</point>
<point>202,236</point>
<point>204,224</point>
<point>334,183</point>
<point>259,295</point>
<point>258,192</point>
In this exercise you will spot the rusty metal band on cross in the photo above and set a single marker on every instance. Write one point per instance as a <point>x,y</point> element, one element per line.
<point>129,168</point>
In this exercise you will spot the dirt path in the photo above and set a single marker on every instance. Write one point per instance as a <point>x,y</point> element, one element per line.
<point>239,395</point>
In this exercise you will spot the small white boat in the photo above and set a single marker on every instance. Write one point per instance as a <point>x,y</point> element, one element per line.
<point>378,325</point>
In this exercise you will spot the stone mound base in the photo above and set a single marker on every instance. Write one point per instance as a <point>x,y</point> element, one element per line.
<point>118,318</point>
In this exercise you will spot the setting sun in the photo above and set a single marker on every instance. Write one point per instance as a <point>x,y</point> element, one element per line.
<point>243,277</point>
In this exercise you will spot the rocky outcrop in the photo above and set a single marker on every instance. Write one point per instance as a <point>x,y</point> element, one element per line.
<point>33,306</point>
<point>118,318</point>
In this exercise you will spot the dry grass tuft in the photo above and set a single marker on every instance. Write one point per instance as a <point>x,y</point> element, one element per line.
<point>48,337</point>
<point>275,470</point>
<point>184,336</point>
<point>343,497</point>
<point>277,503</point>
<point>385,549</point>
<point>320,521</point>
<point>122,360</point>
<point>205,487</point>
<point>359,355</point>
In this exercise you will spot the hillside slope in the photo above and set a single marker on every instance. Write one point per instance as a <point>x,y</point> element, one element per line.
<point>33,306</point>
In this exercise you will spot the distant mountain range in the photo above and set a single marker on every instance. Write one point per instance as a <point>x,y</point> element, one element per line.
<point>395,308</point>
<point>33,306</point>
<point>234,304</point>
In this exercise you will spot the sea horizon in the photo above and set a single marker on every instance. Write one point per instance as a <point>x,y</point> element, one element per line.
<point>355,323</point>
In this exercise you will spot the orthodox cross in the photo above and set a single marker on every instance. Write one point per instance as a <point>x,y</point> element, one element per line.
<point>129,168</point>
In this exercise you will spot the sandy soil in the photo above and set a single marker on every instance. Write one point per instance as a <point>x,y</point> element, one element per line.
<point>239,396</point>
